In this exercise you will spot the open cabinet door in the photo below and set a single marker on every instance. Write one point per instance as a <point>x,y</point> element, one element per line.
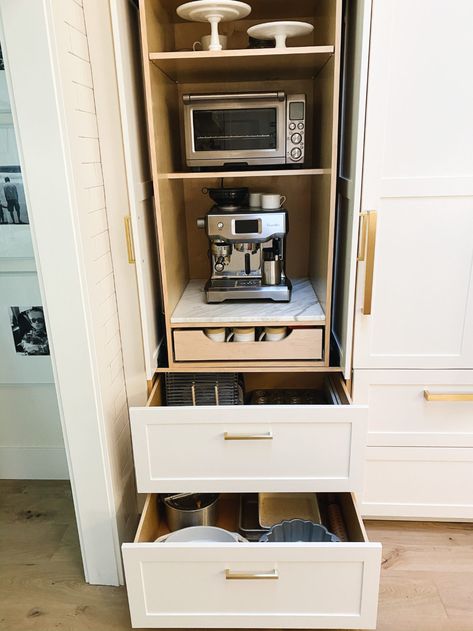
<point>356,37</point>
<point>140,226</point>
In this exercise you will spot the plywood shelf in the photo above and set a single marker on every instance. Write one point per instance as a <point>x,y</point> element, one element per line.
<point>206,175</point>
<point>301,62</point>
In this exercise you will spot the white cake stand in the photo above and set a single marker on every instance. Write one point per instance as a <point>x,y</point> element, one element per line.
<point>279,31</point>
<point>213,11</point>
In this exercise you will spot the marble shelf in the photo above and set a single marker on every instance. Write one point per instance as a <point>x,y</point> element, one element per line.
<point>303,307</point>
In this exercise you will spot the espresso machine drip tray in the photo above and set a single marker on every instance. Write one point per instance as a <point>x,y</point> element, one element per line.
<point>218,290</point>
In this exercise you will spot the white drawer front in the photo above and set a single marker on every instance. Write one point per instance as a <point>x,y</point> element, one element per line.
<point>318,585</point>
<point>418,483</point>
<point>268,448</point>
<point>400,415</point>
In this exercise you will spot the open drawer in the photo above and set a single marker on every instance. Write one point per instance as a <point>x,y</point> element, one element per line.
<point>300,343</point>
<point>252,448</point>
<point>278,585</point>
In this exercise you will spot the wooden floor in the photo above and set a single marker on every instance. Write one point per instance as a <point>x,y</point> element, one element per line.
<point>426,578</point>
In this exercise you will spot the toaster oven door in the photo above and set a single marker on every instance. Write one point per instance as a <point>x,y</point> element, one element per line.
<point>235,130</point>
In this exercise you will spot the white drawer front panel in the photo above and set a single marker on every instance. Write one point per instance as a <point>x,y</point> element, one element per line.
<point>268,448</point>
<point>318,585</point>
<point>418,483</point>
<point>400,415</point>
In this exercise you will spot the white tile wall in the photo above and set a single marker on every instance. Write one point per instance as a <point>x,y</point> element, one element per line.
<point>95,241</point>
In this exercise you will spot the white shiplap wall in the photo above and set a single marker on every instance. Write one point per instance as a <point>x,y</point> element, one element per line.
<point>95,241</point>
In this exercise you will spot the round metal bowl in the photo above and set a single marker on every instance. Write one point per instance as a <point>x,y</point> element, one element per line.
<point>196,509</point>
<point>202,534</point>
<point>298,530</point>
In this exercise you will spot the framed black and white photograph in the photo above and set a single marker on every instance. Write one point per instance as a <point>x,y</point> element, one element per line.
<point>29,330</point>
<point>12,197</point>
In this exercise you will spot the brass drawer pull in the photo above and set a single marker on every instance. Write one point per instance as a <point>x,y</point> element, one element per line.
<point>248,576</point>
<point>448,396</point>
<point>130,247</point>
<point>266,436</point>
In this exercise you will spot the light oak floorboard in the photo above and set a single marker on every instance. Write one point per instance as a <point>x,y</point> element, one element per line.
<point>426,578</point>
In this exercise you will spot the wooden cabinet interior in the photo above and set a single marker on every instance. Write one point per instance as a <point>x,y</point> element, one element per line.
<point>310,192</point>
<point>153,523</point>
<point>324,383</point>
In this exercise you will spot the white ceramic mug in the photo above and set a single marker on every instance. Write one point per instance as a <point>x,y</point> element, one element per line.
<point>242,334</point>
<point>273,333</point>
<point>271,201</point>
<point>216,334</point>
<point>204,42</point>
<point>255,200</point>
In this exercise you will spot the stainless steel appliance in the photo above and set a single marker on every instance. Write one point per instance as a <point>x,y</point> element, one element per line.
<point>245,129</point>
<point>247,254</point>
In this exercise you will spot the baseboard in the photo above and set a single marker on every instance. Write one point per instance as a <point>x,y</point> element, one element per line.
<point>18,462</point>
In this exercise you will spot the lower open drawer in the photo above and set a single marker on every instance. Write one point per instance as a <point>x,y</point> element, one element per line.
<point>280,585</point>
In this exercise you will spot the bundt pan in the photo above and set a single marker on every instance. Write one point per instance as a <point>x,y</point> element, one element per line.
<point>298,530</point>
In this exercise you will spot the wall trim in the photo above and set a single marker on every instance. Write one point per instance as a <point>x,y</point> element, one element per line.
<point>32,31</point>
<point>20,462</point>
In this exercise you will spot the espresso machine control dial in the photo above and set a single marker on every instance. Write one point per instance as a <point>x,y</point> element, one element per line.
<point>219,265</point>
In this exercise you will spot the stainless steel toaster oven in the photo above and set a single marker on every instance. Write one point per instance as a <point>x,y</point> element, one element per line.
<point>248,128</point>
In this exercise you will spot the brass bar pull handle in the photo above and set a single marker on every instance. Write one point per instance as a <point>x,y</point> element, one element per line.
<point>362,243</point>
<point>448,396</point>
<point>249,576</point>
<point>265,436</point>
<point>371,219</point>
<point>130,246</point>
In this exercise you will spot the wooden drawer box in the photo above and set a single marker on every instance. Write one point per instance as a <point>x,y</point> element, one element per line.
<point>252,447</point>
<point>417,408</point>
<point>300,343</point>
<point>309,585</point>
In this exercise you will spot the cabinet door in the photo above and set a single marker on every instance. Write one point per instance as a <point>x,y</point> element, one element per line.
<point>418,177</point>
<point>125,24</point>
<point>356,31</point>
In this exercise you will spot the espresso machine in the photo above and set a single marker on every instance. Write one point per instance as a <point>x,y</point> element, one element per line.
<point>247,254</point>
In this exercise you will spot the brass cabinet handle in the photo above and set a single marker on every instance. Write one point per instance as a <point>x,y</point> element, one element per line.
<point>130,246</point>
<point>265,436</point>
<point>362,243</point>
<point>448,396</point>
<point>366,253</point>
<point>244,576</point>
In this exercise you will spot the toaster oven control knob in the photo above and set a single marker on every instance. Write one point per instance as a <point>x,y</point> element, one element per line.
<point>292,126</point>
<point>300,125</point>
<point>296,153</point>
<point>201,223</point>
<point>296,138</point>
<point>220,225</point>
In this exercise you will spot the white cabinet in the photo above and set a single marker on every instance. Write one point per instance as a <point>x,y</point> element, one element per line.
<point>417,408</point>
<point>419,460</point>
<point>418,176</point>
<point>418,483</point>
<point>252,448</point>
